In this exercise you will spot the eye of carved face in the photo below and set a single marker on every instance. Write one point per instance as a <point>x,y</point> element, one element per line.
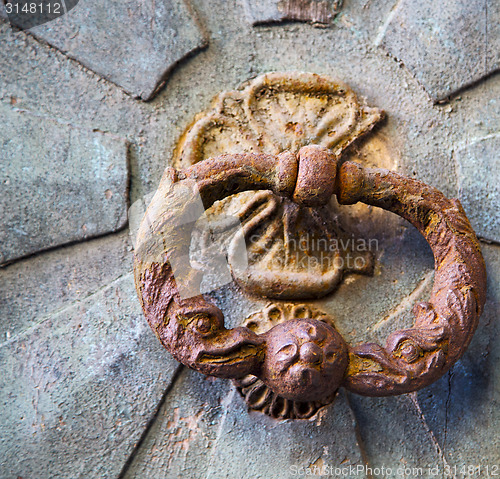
<point>408,351</point>
<point>305,360</point>
<point>287,353</point>
<point>203,325</point>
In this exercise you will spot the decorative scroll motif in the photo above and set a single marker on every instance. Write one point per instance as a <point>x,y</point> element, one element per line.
<point>306,251</point>
<point>256,393</point>
<point>306,359</point>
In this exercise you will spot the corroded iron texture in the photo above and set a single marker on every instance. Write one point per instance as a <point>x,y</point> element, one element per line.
<point>271,114</point>
<point>256,393</point>
<point>273,11</point>
<point>307,359</point>
<point>444,326</point>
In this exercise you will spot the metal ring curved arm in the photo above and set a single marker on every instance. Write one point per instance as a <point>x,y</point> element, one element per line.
<point>444,326</point>
<point>192,329</point>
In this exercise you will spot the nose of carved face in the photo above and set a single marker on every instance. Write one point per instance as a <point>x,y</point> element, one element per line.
<point>311,353</point>
<point>305,360</point>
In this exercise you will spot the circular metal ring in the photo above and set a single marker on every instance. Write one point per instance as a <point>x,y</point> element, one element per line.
<point>307,359</point>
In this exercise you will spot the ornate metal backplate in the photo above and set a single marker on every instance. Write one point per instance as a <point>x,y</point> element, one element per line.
<point>294,251</point>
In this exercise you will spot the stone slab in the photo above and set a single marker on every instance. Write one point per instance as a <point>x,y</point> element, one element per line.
<point>479,185</point>
<point>59,184</point>
<point>181,439</point>
<point>205,431</point>
<point>446,45</point>
<point>395,436</point>
<point>275,11</point>
<point>369,308</point>
<point>78,389</point>
<point>251,445</point>
<point>133,43</point>
<point>37,287</point>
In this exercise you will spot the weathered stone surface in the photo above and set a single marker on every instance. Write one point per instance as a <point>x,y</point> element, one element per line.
<point>34,288</point>
<point>205,431</point>
<point>78,389</point>
<point>87,102</point>
<point>132,43</point>
<point>181,439</point>
<point>60,184</point>
<point>447,46</point>
<point>262,447</point>
<point>462,407</point>
<point>272,11</point>
<point>479,185</point>
<point>367,309</point>
<point>395,436</point>
<point>423,135</point>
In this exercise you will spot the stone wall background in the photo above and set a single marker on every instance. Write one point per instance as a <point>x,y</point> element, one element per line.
<point>85,388</point>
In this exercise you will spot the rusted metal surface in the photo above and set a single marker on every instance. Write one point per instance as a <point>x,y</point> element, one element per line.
<point>444,326</point>
<point>193,330</point>
<point>256,393</point>
<point>275,11</point>
<point>275,113</point>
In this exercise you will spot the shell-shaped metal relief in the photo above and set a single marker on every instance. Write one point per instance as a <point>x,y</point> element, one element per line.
<point>293,251</point>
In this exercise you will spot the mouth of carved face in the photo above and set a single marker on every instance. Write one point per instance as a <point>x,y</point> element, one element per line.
<point>304,363</point>
<point>240,350</point>
<point>238,354</point>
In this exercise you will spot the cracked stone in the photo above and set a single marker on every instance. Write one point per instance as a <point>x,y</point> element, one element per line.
<point>134,44</point>
<point>328,439</point>
<point>406,265</point>
<point>205,430</point>
<point>391,428</point>
<point>59,185</point>
<point>85,383</point>
<point>479,185</point>
<point>447,46</point>
<point>273,11</point>
<point>185,431</point>
<point>33,288</point>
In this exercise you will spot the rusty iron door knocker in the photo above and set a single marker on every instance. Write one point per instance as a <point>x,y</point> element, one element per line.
<point>284,134</point>
<point>307,359</point>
